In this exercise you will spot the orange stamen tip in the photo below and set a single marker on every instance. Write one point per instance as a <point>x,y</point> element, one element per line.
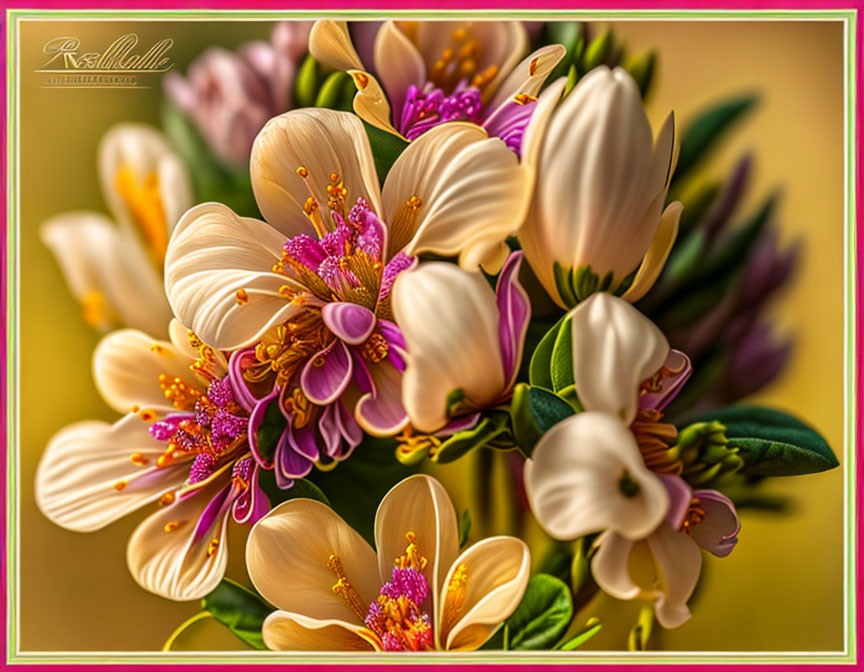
<point>147,414</point>
<point>524,98</point>
<point>119,486</point>
<point>302,172</point>
<point>532,69</point>
<point>170,526</point>
<point>168,498</point>
<point>136,408</point>
<point>213,547</point>
<point>242,297</point>
<point>361,79</point>
<point>139,459</point>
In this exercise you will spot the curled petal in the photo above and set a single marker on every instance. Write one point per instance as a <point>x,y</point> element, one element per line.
<point>455,191</point>
<point>529,75</point>
<point>676,370</point>
<point>285,631</point>
<point>348,321</point>
<point>462,352</point>
<point>679,563</point>
<point>656,256</point>
<point>330,43</point>
<point>615,349</point>
<point>718,531</point>
<point>587,475</point>
<point>496,571</point>
<point>288,553</point>
<point>327,374</point>
<point>380,411</point>
<point>514,314</point>
<point>87,479</point>
<point>370,103</point>
<point>219,276</point>
<point>127,365</point>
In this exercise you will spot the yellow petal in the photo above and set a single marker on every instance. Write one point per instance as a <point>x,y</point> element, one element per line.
<point>371,103</point>
<point>657,254</point>
<point>419,505</point>
<point>493,574</point>
<point>330,43</point>
<point>287,557</point>
<point>285,631</point>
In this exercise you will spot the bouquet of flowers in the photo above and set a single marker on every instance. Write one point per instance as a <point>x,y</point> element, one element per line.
<point>455,242</point>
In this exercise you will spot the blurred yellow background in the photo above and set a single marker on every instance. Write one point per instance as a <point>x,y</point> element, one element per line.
<point>782,588</point>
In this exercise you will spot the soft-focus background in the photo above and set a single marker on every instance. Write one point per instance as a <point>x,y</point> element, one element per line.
<point>782,587</point>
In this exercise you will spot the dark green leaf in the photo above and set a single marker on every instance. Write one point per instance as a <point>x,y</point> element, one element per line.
<point>386,148</point>
<point>464,528</point>
<point>705,132</point>
<point>461,443</point>
<point>330,93</point>
<point>240,610</point>
<point>543,615</point>
<point>773,443</point>
<point>270,431</point>
<point>562,357</point>
<point>533,411</point>
<point>302,489</point>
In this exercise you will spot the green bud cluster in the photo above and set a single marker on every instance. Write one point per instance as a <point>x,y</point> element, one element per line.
<point>707,456</point>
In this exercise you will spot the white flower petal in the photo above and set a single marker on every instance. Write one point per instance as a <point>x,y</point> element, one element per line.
<point>611,566</point>
<point>472,194</point>
<point>168,556</point>
<point>529,75</point>
<point>615,348</point>
<point>330,43</point>
<point>213,255</point>
<point>321,141</point>
<point>587,475</point>
<point>127,365</point>
<point>679,564</point>
<point>108,271</point>
<point>497,571</point>
<point>463,350</point>
<point>287,557</point>
<point>86,478</point>
<point>175,189</point>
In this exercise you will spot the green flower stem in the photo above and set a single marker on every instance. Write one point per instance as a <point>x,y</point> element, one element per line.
<point>200,616</point>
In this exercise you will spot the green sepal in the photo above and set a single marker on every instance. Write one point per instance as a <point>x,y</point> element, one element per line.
<point>533,411</point>
<point>598,51</point>
<point>705,132</point>
<point>386,148</point>
<point>592,627</point>
<point>561,365</point>
<point>773,443</point>
<point>240,610</point>
<point>564,284</point>
<point>302,489</point>
<point>641,68</point>
<point>543,615</point>
<point>306,83</point>
<point>490,427</point>
<point>540,369</point>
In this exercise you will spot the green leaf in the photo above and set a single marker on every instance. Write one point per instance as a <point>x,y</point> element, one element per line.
<point>330,93</point>
<point>598,51</point>
<point>306,83</point>
<point>386,148</point>
<point>773,443</point>
<point>641,68</point>
<point>461,443</point>
<point>592,627</point>
<point>464,528</point>
<point>705,132</point>
<point>533,411</point>
<point>240,610</point>
<point>540,371</point>
<point>543,615</point>
<point>562,357</point>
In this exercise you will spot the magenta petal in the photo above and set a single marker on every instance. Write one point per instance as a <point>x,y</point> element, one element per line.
<point>380,411</point>
<point>304,440</point>
<point>717,533</point>
<point>328,426</point>
<point>400,262</point>
<point>253,504</point>
<point>255,420</point>
<point>680,496</point>
<point>514,313</point>
<point>348,427</point>
<point>348,321</point>
<point>679,365</point>
<point>215,511</point>
<point>327,374</point>
<point>396,348</point>
<point>290,464</point>
<point>458,424</point>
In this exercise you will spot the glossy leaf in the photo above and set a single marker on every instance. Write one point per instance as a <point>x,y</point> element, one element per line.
<point>302,488</point>
<point>592,627</point>
<point>270,431</point>
<point>561,366</point>
<point>773,443</point>
<point>543,615</point>
<point>306,83</point>
<point>386,148</point>
<point>533,411</point>
<point>240,610</point>
<point>489,428</point>
<point>540,370</point>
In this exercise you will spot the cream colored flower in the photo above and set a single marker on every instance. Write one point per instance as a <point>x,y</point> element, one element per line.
<point>600,183</point>
<point>419,592</point>
<point>182,443</point>
<point>597,470</point>
<point>114,271</point>
<point>432,72</point>
<point>476,345</point>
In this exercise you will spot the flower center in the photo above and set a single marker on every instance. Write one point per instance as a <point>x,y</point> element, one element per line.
<point>459,63</point>
<point>695,515</point>
<point>295,341</point>
<point>428,107</point>
<point>144,203</point>
<point>655,439</point>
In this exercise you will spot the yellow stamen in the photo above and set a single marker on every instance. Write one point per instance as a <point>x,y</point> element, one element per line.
<point>302,172</point>
<point>411,558</point>
<point>454,597</point>
<point>695,515</point>
<point>404,224</point>
<point>135,408</point>
<point>532,69</point>
<point>344,589</point>
<point>119,486</point>
<point>167,499</point>
<point>375,348</point>
<point>139,459</point>
<point>171,526</point>
<point>242,297</point>
<point>361,80</point>
<point>524,98</point>
<point>213,547</point>
<point>299,407</point>
<point>147,415</point>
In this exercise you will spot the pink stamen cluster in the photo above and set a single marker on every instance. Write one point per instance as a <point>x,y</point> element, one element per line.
<point>428,107</point>
<point>397,616</point>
